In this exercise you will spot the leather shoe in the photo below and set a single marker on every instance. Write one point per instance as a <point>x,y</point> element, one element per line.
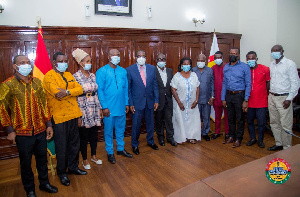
<point>124,153</point>
<point>215,136</point>
<point>274,148</point>
<point>31,194</point>
<point>236,144</point>
<point>48,188</point>
<point>136,150</point>
<point>261,144</point>
<point>111,158</point>
<point>251,142</point>
<point>77,172</point>
<point>173,143</point>
<point>226,136</point>
<point>206,137</point>
<point>65,180</point>
<point>161,142</point>
<point>153,146</point>
<point>229,140</point>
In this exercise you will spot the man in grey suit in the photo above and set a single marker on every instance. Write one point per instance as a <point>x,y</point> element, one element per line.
<point>164,111</point>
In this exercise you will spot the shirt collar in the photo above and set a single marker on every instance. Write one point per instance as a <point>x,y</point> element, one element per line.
<point>160,70</point>
<point>144,66</point>
<point>235,64</point>
<point>21,80</point>
<point>282,61</point>
<point>82,75</point>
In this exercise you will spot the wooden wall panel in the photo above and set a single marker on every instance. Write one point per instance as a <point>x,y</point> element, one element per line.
<point>8,49</point>
<point>98,42</point>
<point>174,52</point>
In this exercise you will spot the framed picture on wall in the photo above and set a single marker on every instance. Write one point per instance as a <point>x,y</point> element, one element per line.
<point>113,7</point>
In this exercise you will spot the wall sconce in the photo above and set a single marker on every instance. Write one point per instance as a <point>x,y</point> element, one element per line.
<point>201,21</point>
<point>1,8</point>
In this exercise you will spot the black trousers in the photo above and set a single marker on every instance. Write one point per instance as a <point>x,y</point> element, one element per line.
<point>236,118</point>
<point>86,135</point>
<point>66,139</point>
<point>161,117</point>
<point>37,145</point>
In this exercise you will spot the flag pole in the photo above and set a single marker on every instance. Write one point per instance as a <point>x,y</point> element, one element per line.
<point>39,24</point>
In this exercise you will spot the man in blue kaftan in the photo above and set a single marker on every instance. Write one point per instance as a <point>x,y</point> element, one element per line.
<point>113,95</point>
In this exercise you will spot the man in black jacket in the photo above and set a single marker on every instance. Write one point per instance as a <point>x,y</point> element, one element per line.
<point>164,111</point>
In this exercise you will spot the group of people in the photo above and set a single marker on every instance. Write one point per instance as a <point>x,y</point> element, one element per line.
<point>70,107</point>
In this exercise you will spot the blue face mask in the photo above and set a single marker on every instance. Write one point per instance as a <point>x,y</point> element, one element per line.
<point>62,67</point>
<point>87,67</point>
<point>218,61</point>
<point>186,68</point>
<point>115,60</point>
<point>161,64</point>
<point>24,69</point>
<point>276,55</point>
<point>201,64</point>
<point>251,63</point>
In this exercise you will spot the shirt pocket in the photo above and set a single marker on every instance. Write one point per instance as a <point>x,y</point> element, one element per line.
<point>121,82</point>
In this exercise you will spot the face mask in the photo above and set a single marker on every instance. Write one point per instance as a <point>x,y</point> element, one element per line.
<point>62,67</point>
<point>161,64</point>
<point>218,61</point>
<point>87,67</point>
<point>141,60</point>
<point>24,69</point>
<point>276,55</point>
<point>251,63</point>
<point>186,68</point>
<point>233,58</point>
<point>200,64</point>
<point>115,60</point>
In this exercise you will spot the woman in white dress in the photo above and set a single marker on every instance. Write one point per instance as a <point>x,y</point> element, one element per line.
<point>186,116</point>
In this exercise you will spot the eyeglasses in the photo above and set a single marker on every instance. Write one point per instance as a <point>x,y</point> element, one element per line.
<point>161,59</point>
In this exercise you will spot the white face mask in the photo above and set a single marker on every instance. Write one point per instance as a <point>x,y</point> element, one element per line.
<point>200,64</point>
<point>24,69</point>
<point>115,60</point>
<point>87,66</point>
<point>141,61</point>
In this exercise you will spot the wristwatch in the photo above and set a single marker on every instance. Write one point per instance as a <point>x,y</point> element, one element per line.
<point>246,100</point>
<point>68,92</point>
<point>213,97</point>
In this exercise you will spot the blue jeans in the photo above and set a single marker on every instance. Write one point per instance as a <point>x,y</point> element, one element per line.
<point>260,114</point>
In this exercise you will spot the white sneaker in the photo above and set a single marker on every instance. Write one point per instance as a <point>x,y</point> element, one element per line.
<point>99,161</point>
<point>87,167</point>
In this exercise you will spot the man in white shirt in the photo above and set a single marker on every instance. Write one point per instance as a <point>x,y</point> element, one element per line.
<point>284,87</point>
<point>164,111</point>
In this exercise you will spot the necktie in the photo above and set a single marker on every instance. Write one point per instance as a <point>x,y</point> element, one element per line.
<point>143,75</point>
<point>118,2</point>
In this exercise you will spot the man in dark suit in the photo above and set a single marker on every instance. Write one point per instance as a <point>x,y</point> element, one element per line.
<point>114,2</point>
<point>143,99</point>
<point>164,111</point>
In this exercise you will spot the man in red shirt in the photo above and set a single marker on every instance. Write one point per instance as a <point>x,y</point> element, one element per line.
<point>258,100</point>
<point>218,74</point>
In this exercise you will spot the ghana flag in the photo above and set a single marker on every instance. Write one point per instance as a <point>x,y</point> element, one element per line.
<point>42,65</point>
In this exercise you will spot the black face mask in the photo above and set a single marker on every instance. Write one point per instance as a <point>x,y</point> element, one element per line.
<point>233,58</point>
